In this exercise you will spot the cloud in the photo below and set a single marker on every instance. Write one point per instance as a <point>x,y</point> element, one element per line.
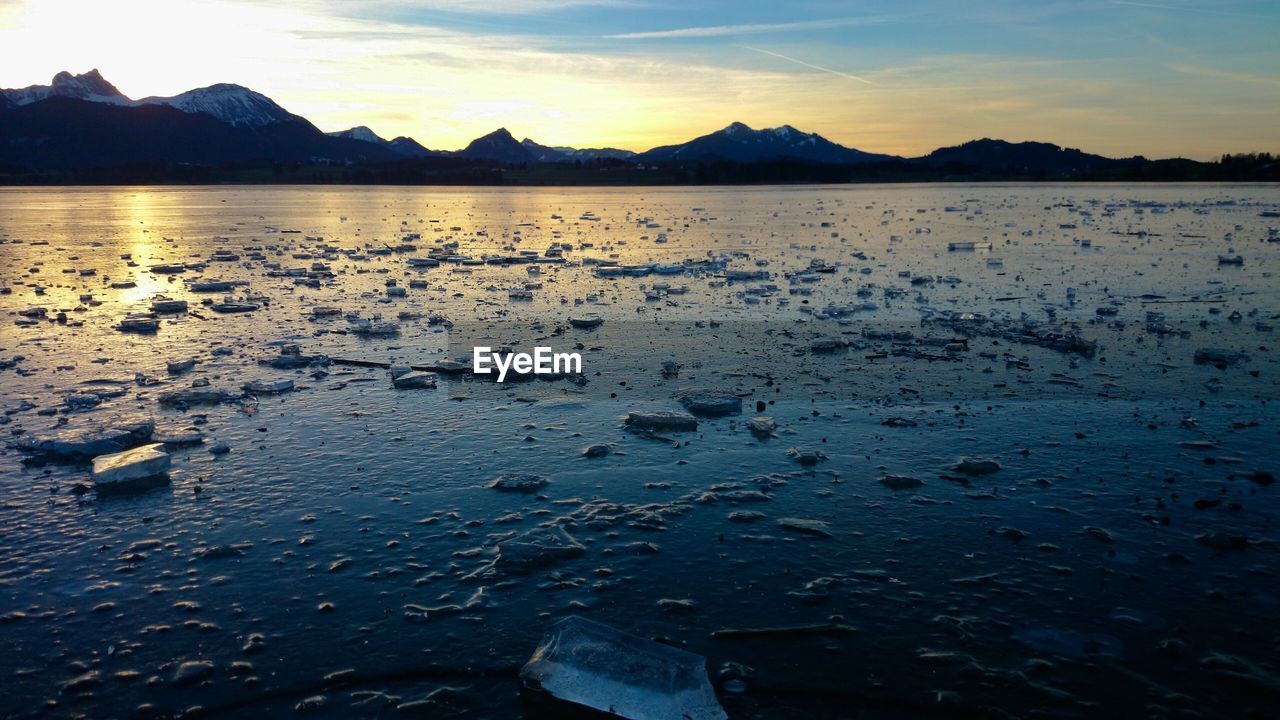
<point>755,29</point>
<point>1189,8</point>
<point>1216,74</point>
<point>805,64</point>
<point>470,7</point>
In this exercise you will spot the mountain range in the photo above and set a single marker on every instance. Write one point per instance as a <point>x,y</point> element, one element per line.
<point>402,145</point>
<point>232,104</point>
<point>743,144</point>
<point>498,146</point>
<point>83,121</point>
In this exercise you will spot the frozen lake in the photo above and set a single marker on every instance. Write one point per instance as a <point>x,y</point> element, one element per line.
<point>1018,457</point>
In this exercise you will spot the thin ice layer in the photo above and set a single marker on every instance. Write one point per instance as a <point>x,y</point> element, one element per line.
<point>591,664</point>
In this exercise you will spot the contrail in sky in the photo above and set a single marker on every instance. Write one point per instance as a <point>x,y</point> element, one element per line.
<point>756,28</point>
<point>1187,8</point>
<point>808,65</point>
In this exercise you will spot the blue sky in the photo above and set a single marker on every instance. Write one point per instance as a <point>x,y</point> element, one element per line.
<point>1174,77</point>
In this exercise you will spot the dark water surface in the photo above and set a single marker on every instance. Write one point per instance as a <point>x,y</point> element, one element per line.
<point>1121,561</point>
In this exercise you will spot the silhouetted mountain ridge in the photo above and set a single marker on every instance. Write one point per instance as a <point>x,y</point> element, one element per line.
<point>992,155</point>
<point>741,143</point>
<point>499,146</point>
<point>79,122</point>
<point>63,133</point>
<point>403,146</point>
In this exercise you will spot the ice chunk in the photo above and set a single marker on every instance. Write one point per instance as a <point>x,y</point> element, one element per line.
<point>586,322</point>
<point>977,466</point>
<point>88,442</point>
<point>762,426</point>
<point>131,465</point>
<point>196,395</point>
<point>539,547</point>
<point>139,323</point>
<point>661,421</point>
<point>710,403</point>
<point>1218,356</point>
<point>291,358</point>
<point>179,438</point>
<point>827,344</point>
<point>268,387</point>
<point>214,286</point>
<point>166,305</point>
<point>415,379</point>
<point>592,665</point>
<point>230,306</point>
<point>519,482</point>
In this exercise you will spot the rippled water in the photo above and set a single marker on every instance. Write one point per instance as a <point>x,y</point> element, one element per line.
<point>1121,560</point>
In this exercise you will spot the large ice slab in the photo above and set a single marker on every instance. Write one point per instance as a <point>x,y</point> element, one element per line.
<point>129,466</point>
<point>85,443</point>
<point>590,664</point>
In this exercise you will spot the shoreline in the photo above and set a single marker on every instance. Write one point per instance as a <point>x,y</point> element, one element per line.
<point>1001,182</point>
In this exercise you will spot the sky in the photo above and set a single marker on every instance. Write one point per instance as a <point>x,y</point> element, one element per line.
<point>1166,78</point>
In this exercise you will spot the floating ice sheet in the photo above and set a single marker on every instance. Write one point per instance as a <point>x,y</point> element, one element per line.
<point>587,663</point>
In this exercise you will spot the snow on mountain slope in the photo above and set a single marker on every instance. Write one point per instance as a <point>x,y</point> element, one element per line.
<point>544,153</point>
<point>405,146</point>
<point>359,132</point>
<point>233,104</point>
<point>740,143</point>
<point>89,86</point>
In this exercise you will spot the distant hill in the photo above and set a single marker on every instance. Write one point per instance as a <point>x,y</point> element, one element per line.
<point>740,143</point>
<point>544,153</point>
<point>402,146</point>
<point>498,146</point>
<point>361,133</point>
<point>409,147</point>
<point>999,155</point>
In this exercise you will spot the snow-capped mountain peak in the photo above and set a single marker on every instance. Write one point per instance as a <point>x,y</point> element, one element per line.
<point>564,153</point>
<point>359,132</point>
<point>233,104</point>
<point>783,133</point>
<point>402,146</point>
<point>741,143</point>
<point>89,86</point>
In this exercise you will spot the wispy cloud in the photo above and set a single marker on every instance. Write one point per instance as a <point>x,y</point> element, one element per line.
<point>756,29</point>
<point>1217,74</point>
<point>1188,8</point>
<point>470,7</point>
<point>806,64</point>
